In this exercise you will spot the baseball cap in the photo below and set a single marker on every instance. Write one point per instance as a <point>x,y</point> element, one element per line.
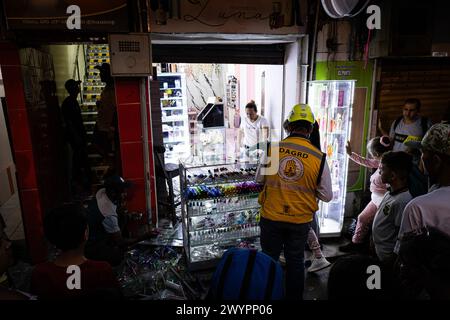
<point>71,84</point>
<point>437,139</point>
<point>117,183</point>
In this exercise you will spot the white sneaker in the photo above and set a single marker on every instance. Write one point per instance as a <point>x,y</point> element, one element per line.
<point>318,264</point>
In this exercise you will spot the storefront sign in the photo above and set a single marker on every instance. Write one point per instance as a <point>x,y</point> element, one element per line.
<point>231,16</point>
<point>111,15</point>
<point>344,72</point>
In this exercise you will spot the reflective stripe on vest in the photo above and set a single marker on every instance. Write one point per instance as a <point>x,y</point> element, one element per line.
<point>301,149</point>
<point>292,187</point>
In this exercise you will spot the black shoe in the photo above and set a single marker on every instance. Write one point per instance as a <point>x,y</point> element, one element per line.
<point>354,247</point>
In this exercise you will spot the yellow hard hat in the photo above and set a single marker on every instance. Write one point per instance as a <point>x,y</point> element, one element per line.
<point>301,111</point>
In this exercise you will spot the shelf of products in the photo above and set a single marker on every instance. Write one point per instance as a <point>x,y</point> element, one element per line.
<point>173,98</point>
<point>95,55</point>
<point>219,210</point>
<point>331,102</point>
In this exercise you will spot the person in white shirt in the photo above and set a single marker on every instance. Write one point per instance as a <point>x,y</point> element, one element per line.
<point>433,208</point>
<point>409,127</point>
<point>254,131</point>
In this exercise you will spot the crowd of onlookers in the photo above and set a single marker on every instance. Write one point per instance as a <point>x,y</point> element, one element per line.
<point>405,228</point>
<point>403,233</point>
<point>86,243</point>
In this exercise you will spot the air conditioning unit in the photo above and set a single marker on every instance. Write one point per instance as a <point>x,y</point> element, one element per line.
<point>338,9</point>
<point>130,55</point>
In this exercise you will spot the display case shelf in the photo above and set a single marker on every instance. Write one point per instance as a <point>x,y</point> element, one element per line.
<point>172,108</point>
<point>175,88</point>
<point>224,197</point>
<point>210,226</point>
<point>204,256</point>
<point>222,212</point>
<point>221,227</point>
<point>220,181</point>
<point>226,238</point>
<point>174,120</point>
<point>172,98</point>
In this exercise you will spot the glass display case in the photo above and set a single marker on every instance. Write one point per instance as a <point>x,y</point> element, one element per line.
<point>331,102</point>
<point>219,210</point>
<point>175,117</point>
<point>210,146</point>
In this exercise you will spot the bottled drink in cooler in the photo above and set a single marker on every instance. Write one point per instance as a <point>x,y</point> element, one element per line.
<point>335,146</point>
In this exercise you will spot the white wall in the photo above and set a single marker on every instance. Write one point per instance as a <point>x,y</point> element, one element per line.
<point>273,83</point>
<point>6,161</point>
<point>2,88</point>
<point>64,57</point>
<point>291,77</point>
<point>273,96</point>
<point>9,197</point>
<point>204,81</point>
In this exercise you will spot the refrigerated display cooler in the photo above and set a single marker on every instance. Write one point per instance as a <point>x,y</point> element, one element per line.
<point>331,102</point>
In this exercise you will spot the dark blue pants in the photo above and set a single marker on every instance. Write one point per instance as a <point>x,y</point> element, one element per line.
<point>276,236</point>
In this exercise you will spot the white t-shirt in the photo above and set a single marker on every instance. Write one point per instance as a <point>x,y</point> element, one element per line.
<point>430,210</point>
<point>108,210</point>
<point>252,130</point>
<point>387,221</point>
<point>405,132</point>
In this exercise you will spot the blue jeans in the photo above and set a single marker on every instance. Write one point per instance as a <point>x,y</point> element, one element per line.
<point>276,236</point>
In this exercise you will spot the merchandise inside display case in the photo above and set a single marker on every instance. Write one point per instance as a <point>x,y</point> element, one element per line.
<point>210,146</point>
<point>331,102</point>
<point>175,121</point>
<point>220,210</point>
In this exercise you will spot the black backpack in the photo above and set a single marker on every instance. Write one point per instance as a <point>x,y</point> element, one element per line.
<point>417,182</point>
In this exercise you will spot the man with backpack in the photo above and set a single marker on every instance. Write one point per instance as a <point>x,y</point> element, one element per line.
<point>409,127</point>
<point>289,198</point>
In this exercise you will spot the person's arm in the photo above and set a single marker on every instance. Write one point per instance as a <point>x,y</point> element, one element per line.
<point>324,189</point>
<point>111,225</point>
<point>429,124</point>
<point>265,130</point>
<point>265,133</point>
<point>392,133</point>
<point>127,242</point>
<point>380,127</point>
<point>411,219</point>
<point>259,177</point>
<point>368,163</point>
<point>240,135</point>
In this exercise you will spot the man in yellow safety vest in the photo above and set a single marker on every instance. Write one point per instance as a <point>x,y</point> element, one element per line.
<point>289,198</point>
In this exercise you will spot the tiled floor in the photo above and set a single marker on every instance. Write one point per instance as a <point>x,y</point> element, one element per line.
<point>316,283</point>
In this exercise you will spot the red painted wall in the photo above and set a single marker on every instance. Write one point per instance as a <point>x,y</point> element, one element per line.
<point>131,147</point>
<point>24,157</point>
<point>20,120</point>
